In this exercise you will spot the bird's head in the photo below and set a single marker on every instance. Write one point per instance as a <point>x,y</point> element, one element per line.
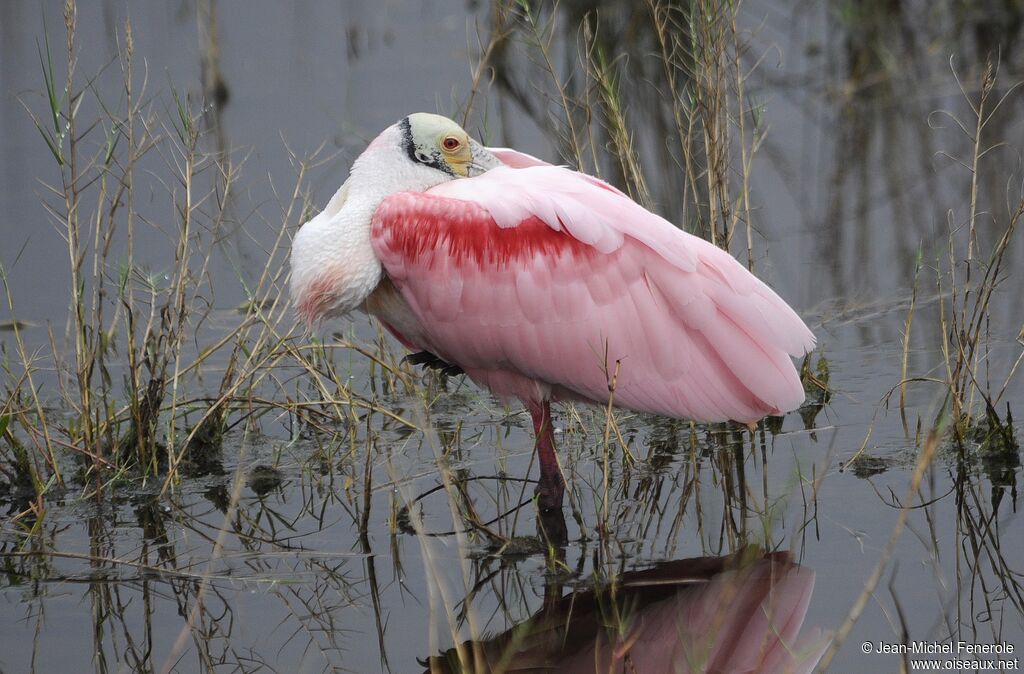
<point>439,143</point>
<point>421,151</point>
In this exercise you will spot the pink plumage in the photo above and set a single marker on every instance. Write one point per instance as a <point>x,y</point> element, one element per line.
<point>710,615</point>
<point>536,281</point>
<point>544,284</point>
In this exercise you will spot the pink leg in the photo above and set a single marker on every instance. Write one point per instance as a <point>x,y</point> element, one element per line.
<point>551,488</point>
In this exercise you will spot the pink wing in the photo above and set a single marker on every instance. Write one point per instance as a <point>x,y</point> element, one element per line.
<point>515,158</point>
<point>537,280</point>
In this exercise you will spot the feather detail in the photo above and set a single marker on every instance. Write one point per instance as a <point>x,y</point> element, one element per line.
<point>543,279</point>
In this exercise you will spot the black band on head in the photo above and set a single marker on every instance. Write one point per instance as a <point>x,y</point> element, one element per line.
<point>433,160</point>
<point>407,141</point>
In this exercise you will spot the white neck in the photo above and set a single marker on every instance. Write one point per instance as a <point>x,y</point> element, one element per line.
<point>334,267</point>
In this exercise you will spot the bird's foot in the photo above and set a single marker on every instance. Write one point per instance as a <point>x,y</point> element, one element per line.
<point>550,519</point>
<point>550,494</point>
<point>551,529</point>
<point>431,362</point>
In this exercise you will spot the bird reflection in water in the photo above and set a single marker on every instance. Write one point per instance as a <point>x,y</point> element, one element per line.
<point>741,613</point>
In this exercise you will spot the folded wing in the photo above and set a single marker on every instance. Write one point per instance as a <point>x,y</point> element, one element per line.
<point>547,275</point>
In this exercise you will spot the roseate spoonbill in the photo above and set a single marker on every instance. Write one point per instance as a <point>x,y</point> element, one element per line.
<point>537,281</point>
<point>707,614</point>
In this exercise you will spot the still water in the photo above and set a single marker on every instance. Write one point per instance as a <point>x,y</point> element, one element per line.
<point>289,556</point>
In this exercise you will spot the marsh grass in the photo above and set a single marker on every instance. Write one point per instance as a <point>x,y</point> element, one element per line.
<point>140,354</point>
<point>968,274</point>
<point>966,424</point>
<point>680,70</point>
<point>973,279</point>
<point>149,392</point>
<point>148,376</point>
<point>150,380</point>
<point>154,381</point>
<point>700,102</point>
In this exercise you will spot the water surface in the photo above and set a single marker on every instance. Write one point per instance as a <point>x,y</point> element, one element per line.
<point>295,554</point>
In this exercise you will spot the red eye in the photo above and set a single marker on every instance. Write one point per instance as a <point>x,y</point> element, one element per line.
<point>450,143</point>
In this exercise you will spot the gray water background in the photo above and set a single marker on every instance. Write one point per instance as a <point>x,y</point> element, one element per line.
<point>848,187</point>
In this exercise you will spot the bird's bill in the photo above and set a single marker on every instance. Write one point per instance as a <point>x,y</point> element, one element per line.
<point>481,160</point>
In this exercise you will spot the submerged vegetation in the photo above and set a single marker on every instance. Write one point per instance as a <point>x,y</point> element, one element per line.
<point>251,456</point>
<point>147,389</point>
<point>139,398</point>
